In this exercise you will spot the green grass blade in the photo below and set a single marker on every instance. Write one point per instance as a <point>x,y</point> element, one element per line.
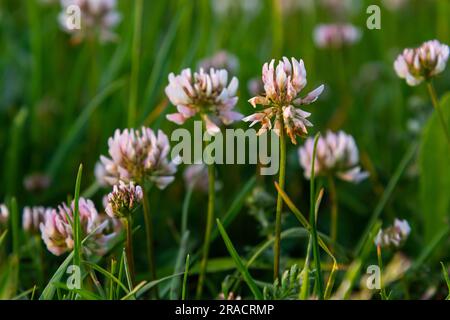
<point>312,222</point>
<point>12,162</point>
<point>239,264</point>
<point>175,285</point>
<point>154,283</point>
<point>107,274</point>
<point>76,220</point>
<point>185,277</point>
<point>447,279</point>
<point>49,291</point>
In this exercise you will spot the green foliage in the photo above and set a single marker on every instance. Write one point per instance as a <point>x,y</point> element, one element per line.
<point>434,164</point>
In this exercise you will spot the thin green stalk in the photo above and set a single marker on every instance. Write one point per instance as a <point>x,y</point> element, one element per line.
<point>149,237</point>
<point>334,209</point>
<point>209,225</point>
<point>135,61</point>
<point>438,109</point>
<point>76,220</point>
<point>312,222</point>
<point>128,223</point>
<point>186,272</point>
<point>281,180</point>
<point>380,265</point>
<point>111,282</point>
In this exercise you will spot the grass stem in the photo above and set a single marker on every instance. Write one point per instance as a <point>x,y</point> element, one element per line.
<point>128,223</point>
<point>209,224</point>
<point>438,109</point>
<point>149,238</point>
<point>334,208</point>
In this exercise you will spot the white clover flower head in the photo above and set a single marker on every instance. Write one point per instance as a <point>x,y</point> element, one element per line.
<point>207,93</point>
<point>336,154</point>
<point>282,86</point>
<point>57,232</point>
<point>4,214</point>
<point>138,155</point>
<point>97,17</point>
<point>422,63</point>
<point>221,60</point>
<point>123,200</point>
<point>393,236</point>
<point>336,35</point>
<point>196,177</point>
<point>32,217</point>
<point>394,5</point>
<point>100,174</point>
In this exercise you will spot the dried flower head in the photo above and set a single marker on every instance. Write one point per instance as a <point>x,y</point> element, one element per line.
<point>336,154</point>
<point>57,232</point>
<point>393,236</point>
<point>138,155</point>
<point>422,63</point>
<point>4,214</point>
<point>36,182</point>
<point>230,296</point>
<point>282,86</point>
<point>32,217</point>
<point>336,35</point>
<point>206,93</point>
<point>96,17</point>
<point>123,200</point>
<point>221,60</point>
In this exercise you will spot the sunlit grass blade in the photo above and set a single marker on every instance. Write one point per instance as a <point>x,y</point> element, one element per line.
<point>75,131</point>
<point>49,291</point>
<point>239,264</point>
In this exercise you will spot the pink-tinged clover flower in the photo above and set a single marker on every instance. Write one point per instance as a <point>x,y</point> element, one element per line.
<point>32,217</point>
<point>422,63</point>
<point>206,93</point>
<point>336,154</point>
<point>97,17</point>
<point>4,214</point>
<point>282,86</point>
<point>57,228</point>
<point>221,60</point>
<point>123,200</point>
<point>139,156</point>
<point>393,236</point>
<point>336,35</point>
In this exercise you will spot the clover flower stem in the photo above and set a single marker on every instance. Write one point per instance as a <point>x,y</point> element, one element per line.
<point>334,208</point>
<point>209,224</point>
<point>128,224</point>
<point>380,265</point>
<point>149,238</point>
<point>281,180</point>
<point>438,109</point>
